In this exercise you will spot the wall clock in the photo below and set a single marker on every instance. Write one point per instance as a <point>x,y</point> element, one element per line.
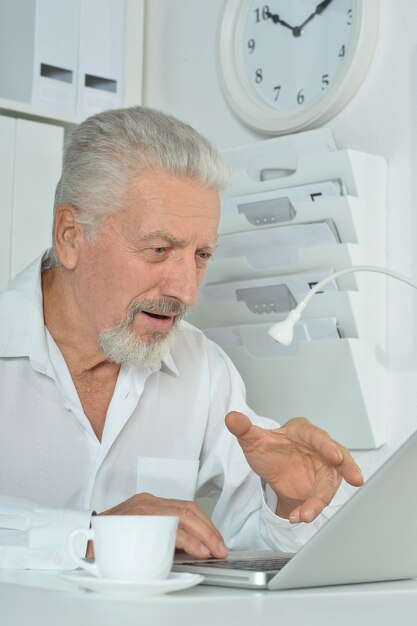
<point>290,65</point>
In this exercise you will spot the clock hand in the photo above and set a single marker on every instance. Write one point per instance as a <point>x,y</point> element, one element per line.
<point>277,20</point>
<point>298,30</point>
<point>320,7</point>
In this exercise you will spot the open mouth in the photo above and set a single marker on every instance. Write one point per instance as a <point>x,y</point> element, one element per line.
<point>158,317</point>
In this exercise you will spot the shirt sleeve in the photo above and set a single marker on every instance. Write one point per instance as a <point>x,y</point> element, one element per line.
<point>245,509</point>
<point>277,531</point>
<point>34,537</point>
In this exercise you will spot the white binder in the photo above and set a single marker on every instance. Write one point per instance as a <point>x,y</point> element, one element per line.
<point>66,55</point>
<point>56,54</point>
<point>100,79</point>
<point>17,40</point>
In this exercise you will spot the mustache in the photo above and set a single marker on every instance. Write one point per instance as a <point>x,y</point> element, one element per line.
<point>162,306</point>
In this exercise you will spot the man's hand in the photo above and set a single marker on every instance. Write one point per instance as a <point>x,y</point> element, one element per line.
<point>196,534</point>
<point>301,463</point>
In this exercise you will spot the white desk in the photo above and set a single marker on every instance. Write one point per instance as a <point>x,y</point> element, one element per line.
<point>43,599</point>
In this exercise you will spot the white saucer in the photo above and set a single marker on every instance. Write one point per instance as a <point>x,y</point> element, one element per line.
<point>132,589</point>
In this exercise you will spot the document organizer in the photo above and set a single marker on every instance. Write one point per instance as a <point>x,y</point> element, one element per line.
<point>39,51</point>
<point>338,382</point>
<point>66,56</point>
<point>100,76</point>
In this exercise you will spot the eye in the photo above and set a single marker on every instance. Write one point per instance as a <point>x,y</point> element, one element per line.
<point>156,253</point>
<point>203,257</point>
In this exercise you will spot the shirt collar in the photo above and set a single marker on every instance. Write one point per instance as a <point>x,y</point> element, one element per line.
<point>169,364</point>
<point>22,328</point>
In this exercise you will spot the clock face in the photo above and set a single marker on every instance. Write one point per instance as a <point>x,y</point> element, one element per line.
<point>294,49</point>
<point>293,64</point>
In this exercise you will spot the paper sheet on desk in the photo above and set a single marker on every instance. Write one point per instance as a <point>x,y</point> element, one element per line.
<point>276,294</point>
<point>278,205</point>
<point>260,344</point>
<point>272,247</point>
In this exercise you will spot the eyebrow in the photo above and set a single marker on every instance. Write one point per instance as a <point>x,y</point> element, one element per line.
<point>167,236</point>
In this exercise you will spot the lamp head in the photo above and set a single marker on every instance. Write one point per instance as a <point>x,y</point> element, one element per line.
<point>283,332</point>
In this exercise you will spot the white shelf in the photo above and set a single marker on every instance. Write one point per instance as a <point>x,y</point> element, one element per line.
<point>338,383</point>
<point>13,108</point>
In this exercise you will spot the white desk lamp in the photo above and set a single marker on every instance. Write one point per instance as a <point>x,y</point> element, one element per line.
<point>283,332</point>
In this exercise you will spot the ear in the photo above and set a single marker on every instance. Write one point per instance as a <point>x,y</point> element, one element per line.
<point>68,236</point>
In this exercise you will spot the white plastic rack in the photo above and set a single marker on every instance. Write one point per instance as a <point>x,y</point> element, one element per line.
<point>336,379</point>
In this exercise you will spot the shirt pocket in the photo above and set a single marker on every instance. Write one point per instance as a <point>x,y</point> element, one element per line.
<point>167,478</point>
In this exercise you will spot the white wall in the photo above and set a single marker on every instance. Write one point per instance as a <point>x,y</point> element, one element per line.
<point>181,78</point>
<point>30,167</point>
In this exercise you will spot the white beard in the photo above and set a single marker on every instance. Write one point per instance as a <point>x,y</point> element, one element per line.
<point>123,347</point>
<point>120,344</point>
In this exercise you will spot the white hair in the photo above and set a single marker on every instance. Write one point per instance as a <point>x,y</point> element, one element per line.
<point>108,149</point>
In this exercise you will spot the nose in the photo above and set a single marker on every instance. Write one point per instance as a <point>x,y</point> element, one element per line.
<point>182,280</point>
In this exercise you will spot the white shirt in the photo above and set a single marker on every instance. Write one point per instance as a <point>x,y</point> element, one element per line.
<point>164,434</point>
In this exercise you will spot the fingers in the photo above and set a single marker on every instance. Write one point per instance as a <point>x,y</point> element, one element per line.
<point>196,533</point>
<point>238,424</point>
<point>306,513</point>
<point>315,439</point>
<point>191,545</point>
<point>350,471</point>
<point>325,487</point>
<point>306,434</point>
<point>198,549</point>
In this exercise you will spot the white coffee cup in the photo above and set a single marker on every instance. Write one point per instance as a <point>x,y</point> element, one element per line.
<point>129,547</point>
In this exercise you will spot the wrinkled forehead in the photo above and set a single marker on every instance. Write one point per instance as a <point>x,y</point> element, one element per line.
<point>157,202</point>
<point>164,193</point>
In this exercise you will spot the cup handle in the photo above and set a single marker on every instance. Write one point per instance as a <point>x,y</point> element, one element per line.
<point>86,565</point>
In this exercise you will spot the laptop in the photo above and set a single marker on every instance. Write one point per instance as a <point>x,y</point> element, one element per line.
<point>372,537</point>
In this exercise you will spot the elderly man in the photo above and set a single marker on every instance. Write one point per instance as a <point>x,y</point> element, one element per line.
<point>110,403</point>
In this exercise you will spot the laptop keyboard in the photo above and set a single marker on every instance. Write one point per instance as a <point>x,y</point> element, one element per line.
<point>255,565</point>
